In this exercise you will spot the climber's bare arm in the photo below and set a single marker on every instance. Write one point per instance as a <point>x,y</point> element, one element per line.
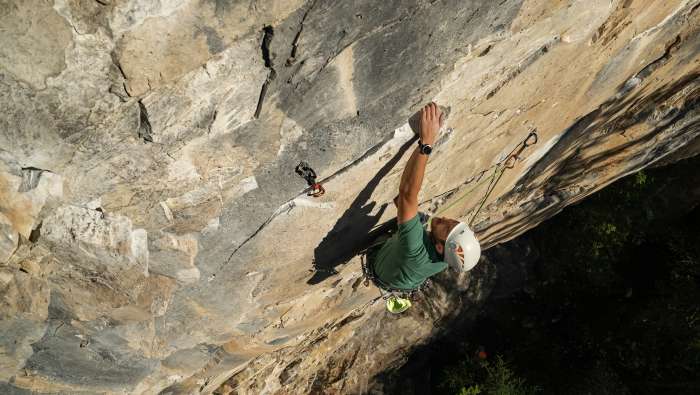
<point>410,186</point>
<point>412,177</point>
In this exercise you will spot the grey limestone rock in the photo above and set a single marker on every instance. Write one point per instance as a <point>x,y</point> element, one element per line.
<point>154,236</point>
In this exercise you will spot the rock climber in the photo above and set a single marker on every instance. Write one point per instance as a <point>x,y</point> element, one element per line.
<point>413,254</point>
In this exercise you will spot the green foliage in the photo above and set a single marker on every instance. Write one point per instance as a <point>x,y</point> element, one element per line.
<point>500,380</point>
<point>464,375</point>
<point>640,179</point>
<point>472,376</point>
<point>613,306</point>
<point>472,390</point>
<point>629,282</point>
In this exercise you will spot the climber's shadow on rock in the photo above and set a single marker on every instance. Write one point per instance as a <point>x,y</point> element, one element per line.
<point>353,231</point>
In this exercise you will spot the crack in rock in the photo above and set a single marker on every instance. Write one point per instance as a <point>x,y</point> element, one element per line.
<point>145,128</point>
<point>30,178</point>
<point>645,72</point>
<point>529,59</point>
<point>295,43</point>
<point>269,33</point>
<point>287,206</point>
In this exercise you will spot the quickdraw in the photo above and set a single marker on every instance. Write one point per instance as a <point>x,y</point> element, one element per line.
<point>306,172</point>
<point>507,163</point>
<point>531,139</point>
<point>498,169</point>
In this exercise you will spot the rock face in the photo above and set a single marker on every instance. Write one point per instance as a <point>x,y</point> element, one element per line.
<point>154,236</point>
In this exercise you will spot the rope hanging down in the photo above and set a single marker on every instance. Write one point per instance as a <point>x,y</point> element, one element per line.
<point>498,169</point>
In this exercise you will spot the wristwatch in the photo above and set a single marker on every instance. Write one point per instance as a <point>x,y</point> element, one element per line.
<point>425,149</point>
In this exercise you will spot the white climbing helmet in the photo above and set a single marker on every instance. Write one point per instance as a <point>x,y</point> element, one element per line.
<point>462,236</point>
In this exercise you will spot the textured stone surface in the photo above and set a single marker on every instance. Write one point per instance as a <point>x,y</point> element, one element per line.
<point>153,234</point>
<point>34,40</point>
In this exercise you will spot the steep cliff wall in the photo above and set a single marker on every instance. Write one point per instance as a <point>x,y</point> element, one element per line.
<point>153,234</point>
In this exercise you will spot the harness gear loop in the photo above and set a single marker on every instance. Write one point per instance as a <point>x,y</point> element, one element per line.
<point>307,173</point>
<point>369,276</point>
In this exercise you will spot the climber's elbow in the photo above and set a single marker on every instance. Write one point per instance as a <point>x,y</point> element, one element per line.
<point>408,192</point>
<point>407,206</point>
<point>405,196</point>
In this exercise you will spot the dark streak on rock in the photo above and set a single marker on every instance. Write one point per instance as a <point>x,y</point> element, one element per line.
<point>214,41</point>
<point>57,328</point>
<point>290,203</point>
<point>269,33</point>
<point>645,72</point>
<point>289,371</point>
<point>362,157</point>
<point>213,119</point>
<point>119,92</point>
<point>261,98</point>
<point>357,283</point>
<point>116,62</point>
<point>261,227</point>
<point>30,178</point>
<point>35,233</point>
<point>334,55</point>
<point>524,64</point>
<point>267,58</point>
<point>350,318</point>
<point>145,128</point>
<point>123,93</point>
<point>695,7</point>
<point>661,60</point>
<point>295,42</point>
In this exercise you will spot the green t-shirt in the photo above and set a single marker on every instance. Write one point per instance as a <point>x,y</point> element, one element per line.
<point>408,258</point>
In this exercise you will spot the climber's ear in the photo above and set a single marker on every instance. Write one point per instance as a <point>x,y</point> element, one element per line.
<point>440,247</point>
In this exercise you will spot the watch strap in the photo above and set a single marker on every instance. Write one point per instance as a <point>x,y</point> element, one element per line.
<point>423,146</point>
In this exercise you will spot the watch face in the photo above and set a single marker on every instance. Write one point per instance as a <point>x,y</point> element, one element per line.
<point>426,149</point>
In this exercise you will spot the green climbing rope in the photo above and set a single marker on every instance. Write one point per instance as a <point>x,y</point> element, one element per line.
<point>498,169</point>
<point>494,174</point>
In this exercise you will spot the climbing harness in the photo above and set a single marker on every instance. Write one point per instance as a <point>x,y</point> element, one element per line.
<point>498,169</point>
<point>397,300</point>
<point>307,173</point>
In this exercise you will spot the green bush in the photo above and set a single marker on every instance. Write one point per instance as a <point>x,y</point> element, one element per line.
<point>612,306</point>
<point>500,380</point>
<point>472,376</point>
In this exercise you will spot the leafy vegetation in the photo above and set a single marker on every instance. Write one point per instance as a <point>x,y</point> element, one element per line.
<point>613,305</point>
<point>476,375</point>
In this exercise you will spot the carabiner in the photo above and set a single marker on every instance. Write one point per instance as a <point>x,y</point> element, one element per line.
<point>316,190</point>
<point>533,134</point>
